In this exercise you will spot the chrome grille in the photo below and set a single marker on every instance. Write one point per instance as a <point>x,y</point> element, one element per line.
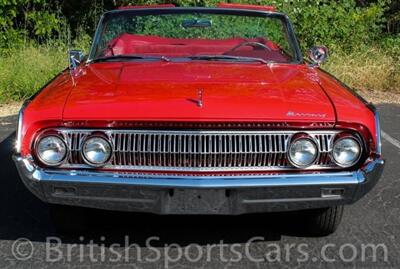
<point>184,150</point>
<point>199,151</point>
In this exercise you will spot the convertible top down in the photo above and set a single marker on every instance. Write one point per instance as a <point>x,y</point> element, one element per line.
<point>199,111</point>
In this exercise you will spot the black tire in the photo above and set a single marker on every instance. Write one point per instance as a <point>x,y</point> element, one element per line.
<point>325,221</point>
<point>68,219</point>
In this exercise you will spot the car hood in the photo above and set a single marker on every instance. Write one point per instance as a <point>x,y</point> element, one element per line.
<point>172,91</point>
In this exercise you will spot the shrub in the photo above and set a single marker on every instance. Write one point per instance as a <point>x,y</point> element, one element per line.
<point>27,19</point>
<point>340,24</point>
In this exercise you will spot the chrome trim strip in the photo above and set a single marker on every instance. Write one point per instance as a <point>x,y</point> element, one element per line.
<point>201,169</point>
<point>96,38</point>
<point>203,182</point>
<point>165,180</point>
<point>18,141</point>
<point>378,133</point>
<point>196,132</point>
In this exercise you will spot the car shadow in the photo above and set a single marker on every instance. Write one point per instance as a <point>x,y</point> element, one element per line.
<point>22,215</point>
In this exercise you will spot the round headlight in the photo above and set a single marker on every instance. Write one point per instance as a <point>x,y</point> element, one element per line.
<point>302,152</point>
<point>51,150</point>
<point>96,151</point>
<point>346,151</point>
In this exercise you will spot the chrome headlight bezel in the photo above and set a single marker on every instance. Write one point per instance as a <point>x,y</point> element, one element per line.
<point>87,159</point>
<point>39,155</point>
<point>296,139</point>
<point>340,138</point>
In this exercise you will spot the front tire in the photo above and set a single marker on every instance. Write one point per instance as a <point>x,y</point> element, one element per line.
<point>325,221</point>
<point>68,219</point>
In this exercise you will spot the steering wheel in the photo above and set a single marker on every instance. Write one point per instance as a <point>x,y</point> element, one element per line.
<point>251,44</point>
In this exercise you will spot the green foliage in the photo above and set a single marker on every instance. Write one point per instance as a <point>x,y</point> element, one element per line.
<point>363,36</point>
<point>337,24</point>
<point>391,44</point>
<point>222,26</point>
<point>342,24</point>
<point>8,11</point>
<point>23,20</point>
<point>44,22</point>
<point>24,71</point>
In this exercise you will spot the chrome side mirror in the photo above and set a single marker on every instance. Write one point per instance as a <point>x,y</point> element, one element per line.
<point>318,54</point>
<point>76,57</point>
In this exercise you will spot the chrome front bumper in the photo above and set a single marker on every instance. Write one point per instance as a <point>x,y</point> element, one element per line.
<point>229,195</point>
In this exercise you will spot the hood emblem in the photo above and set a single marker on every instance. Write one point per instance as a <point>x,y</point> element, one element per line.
<point>199,100</point>
<point>200,97</point>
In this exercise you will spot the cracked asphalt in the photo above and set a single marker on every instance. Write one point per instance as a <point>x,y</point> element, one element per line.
<point>124,240</point>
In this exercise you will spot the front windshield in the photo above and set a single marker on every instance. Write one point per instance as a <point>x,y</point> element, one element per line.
<point>192,34</point>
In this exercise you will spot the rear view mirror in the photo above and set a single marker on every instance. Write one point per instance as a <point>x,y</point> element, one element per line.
<point>196,23</point>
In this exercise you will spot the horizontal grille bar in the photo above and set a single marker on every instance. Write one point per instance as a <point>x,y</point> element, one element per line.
<point>184,150</point>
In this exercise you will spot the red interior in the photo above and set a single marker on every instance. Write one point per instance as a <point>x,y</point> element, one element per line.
<point>175,47</point>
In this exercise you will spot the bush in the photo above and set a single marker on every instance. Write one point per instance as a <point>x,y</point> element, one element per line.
<point>336,24</point>
<point>342,24</point>
<point>21,20</point>
<point>392,45</point>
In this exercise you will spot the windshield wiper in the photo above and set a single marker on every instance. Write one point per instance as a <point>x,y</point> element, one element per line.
<point>195,57</point>
<point>131,57</point>
<point>227,57</point>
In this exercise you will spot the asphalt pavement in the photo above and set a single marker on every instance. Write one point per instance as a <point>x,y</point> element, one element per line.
<point>367,238</point>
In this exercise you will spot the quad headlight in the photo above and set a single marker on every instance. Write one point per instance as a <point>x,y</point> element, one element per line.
<point>96,151</point>
<point>51,150</point>
<point>346,151</point>
<point>302,152</point>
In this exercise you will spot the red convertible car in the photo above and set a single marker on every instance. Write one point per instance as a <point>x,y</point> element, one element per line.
<point>199,111</point>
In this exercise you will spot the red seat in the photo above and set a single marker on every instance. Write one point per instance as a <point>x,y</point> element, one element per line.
<point>154,45</point>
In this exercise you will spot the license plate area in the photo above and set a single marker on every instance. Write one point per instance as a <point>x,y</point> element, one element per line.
<point>194,201</point>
